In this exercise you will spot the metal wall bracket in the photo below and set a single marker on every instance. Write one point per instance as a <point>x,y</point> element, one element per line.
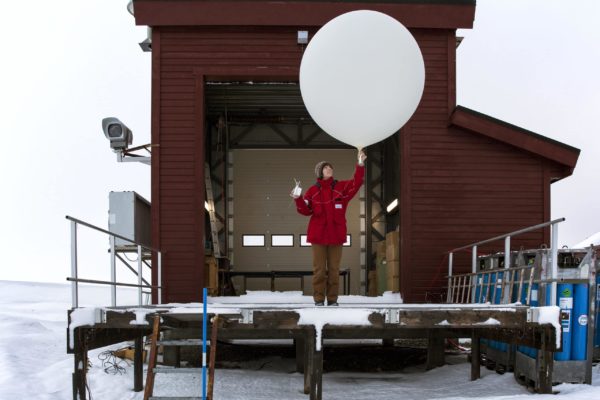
<point>392,316</point>
<point>533,314</point>
<point>247,317</point>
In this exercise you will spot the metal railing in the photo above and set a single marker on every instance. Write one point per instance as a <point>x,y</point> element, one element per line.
<point>484,286</point>
<point>142,283</point>
<point>451,296</point>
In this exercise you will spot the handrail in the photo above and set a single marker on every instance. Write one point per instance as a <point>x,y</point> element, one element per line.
<point>111,283</point>
<point>74,278</point>
<point>80,222</point>
<point>507,260</point>
<point>515,233</point>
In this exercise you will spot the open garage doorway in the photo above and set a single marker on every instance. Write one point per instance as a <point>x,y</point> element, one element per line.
<point>259,138</point>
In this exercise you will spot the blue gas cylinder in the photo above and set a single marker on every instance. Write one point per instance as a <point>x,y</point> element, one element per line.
<point>580,321</point>
<point>564,297</point>
<point>478,285</point>
<point>597,336</point>
<point>484,288</point>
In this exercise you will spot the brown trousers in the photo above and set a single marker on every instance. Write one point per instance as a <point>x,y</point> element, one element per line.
<point>326,272</point>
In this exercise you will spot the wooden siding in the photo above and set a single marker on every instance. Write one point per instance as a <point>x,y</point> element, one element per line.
<point>456,186</point>
<point>182,58</point>
<point>185,57</point>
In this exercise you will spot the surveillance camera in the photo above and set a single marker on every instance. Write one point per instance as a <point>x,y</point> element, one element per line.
<point>119,135</point>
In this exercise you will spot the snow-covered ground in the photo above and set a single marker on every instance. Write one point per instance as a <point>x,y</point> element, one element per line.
<point>34,364</point>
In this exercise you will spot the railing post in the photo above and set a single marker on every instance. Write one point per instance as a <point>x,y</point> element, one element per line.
<point>554,255</point>
<point>159,278</point>
<point>507,252</point>
<point>74,287</point>
<point>139,249</point>
<point>113,272</point>
<point>474,271</point>
<point>449,297</point>
<point>507,265</point>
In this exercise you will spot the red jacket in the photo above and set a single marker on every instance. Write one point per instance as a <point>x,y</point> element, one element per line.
<point>327,208</point>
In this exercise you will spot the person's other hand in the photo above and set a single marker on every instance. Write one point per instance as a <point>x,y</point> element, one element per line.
<point>361,157</point>
<point>295,196</point>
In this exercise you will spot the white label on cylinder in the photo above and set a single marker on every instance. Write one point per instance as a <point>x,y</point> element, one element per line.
<point>534,295</point>
<point>582,320</point>
<point>565,322</point>
<point>566,303</point>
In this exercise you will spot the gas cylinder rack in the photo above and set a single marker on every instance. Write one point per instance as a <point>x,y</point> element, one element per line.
<point>578,301</point>
<point>498,285</point>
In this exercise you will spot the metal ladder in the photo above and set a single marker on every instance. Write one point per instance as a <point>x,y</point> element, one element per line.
<point>153,369</point>
<point>211,212</point>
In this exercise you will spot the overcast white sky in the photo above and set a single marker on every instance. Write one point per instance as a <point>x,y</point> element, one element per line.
<point>67,64</point>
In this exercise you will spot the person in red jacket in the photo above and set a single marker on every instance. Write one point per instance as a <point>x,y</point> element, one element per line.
<point>326,203</point>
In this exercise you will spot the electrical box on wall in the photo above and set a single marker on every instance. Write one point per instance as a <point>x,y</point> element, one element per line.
<point>129,216</point>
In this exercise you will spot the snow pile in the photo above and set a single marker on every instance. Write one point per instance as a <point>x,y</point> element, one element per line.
<point>551,315</point>
<point>490,321</point>
<point>82,317</point>
<point>591,240</point>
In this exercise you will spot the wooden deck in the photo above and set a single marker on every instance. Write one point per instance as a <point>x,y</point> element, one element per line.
<point>513,324</point>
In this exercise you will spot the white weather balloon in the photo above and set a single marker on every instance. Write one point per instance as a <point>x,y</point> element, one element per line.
<point>362,77</point>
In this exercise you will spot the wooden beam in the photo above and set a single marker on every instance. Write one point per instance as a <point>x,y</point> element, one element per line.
<point>299,344</point>
<point>80,364</point>
<point>435,350</point>
<point>546,364</point>
<point>309,352</point>
<point>475,356</point>
<point>138,364</point>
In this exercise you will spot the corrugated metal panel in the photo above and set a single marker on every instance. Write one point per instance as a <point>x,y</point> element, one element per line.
<point>262,182</point>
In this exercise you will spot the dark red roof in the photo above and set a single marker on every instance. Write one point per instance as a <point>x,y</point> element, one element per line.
<point>444,14</point>
<point>502,131</point>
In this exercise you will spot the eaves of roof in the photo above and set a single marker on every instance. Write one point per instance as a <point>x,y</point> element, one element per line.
<point>440,14</point>
<point>513,135</point>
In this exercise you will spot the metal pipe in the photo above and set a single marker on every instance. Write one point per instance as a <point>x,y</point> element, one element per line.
<point>109,283</point>
<point>113,272</point>
<point>124,261</point>
<point>449,296</point>
<point>108,232</point>
<point>159,278</point>
<point>515,233</point>
<point>474,259</point>
<point>507,252</point>
<point>139,273</point>
<point>74,288</point>
<point>554,256</point>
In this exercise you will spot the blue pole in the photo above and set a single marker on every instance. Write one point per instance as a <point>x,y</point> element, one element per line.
<point>565,302</point>
<point>204,294</point>
<point>580,321</point>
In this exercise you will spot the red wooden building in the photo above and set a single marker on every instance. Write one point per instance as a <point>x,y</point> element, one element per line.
<point>222,68</point>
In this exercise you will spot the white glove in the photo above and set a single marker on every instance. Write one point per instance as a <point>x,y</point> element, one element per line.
<point>296,191</point>
<point>361,157</point>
